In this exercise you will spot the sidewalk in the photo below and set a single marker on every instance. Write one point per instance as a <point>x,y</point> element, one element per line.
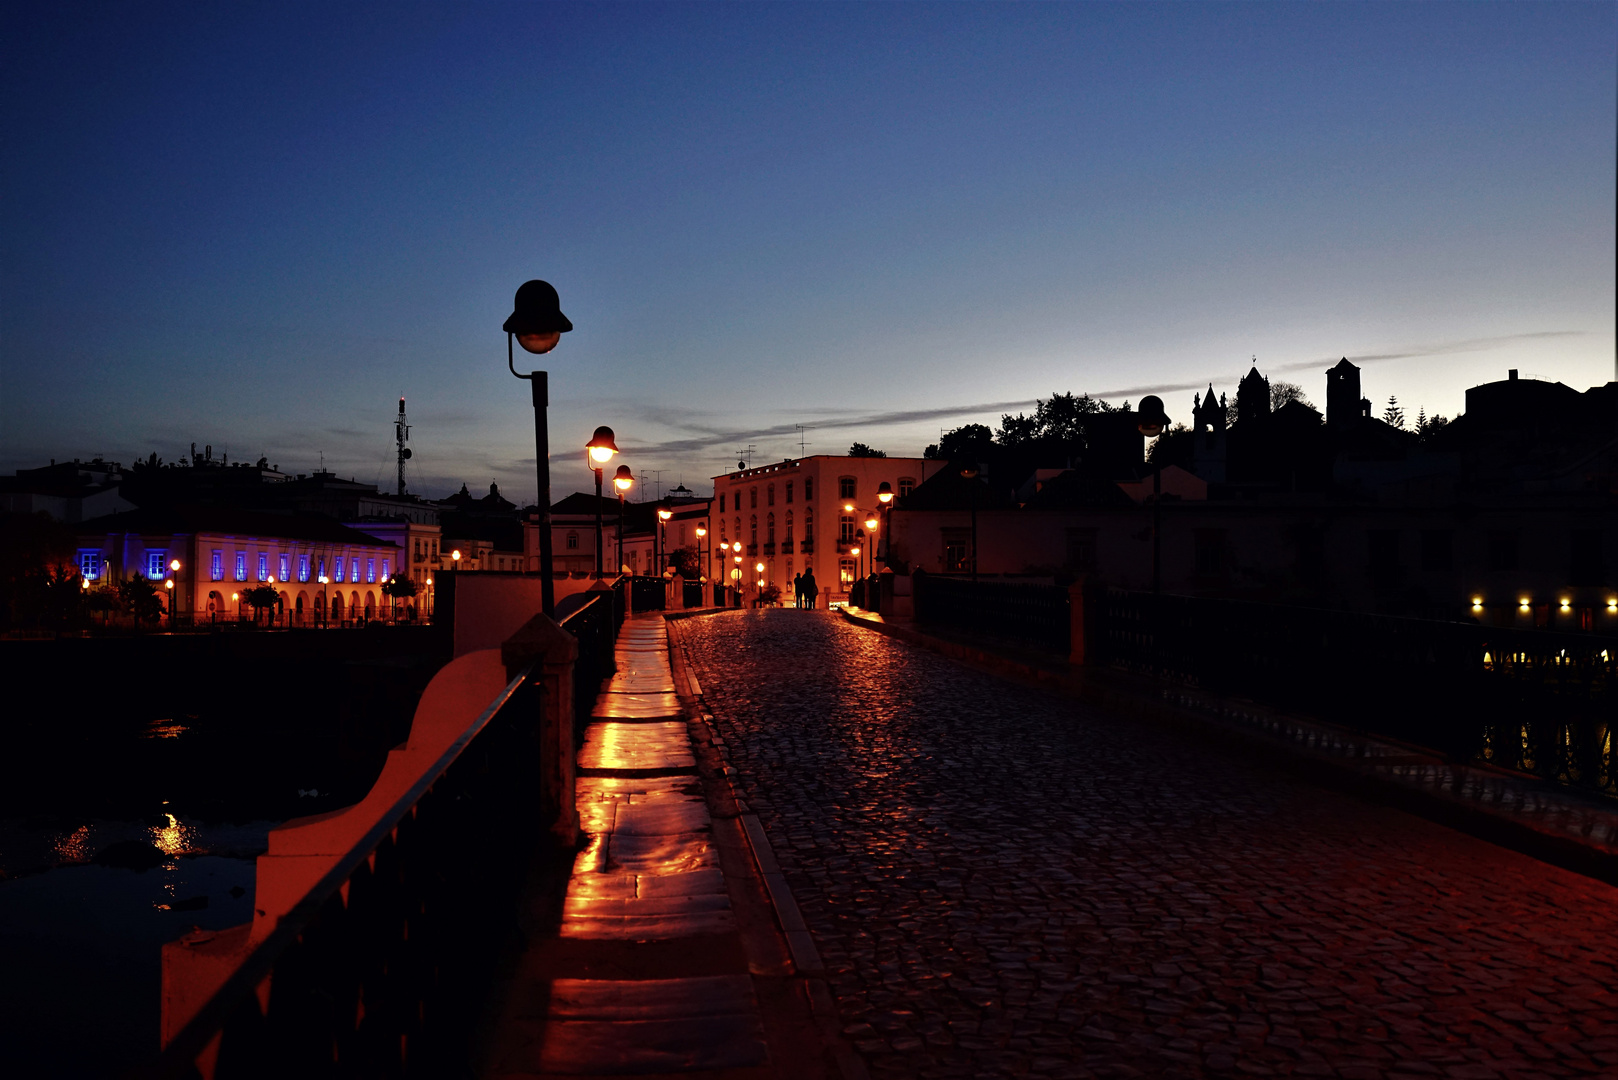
<point>1519,812</point>
<point>647,973</point>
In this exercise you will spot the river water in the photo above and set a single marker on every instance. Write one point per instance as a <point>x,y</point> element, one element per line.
<point>133,814</point>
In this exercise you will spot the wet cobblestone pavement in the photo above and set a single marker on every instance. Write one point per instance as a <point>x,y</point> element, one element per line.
<point>1005,883</point>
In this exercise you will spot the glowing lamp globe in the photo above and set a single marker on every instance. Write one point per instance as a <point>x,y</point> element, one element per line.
<point>602,447</point>
<point>623,479</point>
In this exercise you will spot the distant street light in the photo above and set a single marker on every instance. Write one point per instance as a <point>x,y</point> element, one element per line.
<point>321,611</point>
<point>702,567</point>
<point>623,480</point>
<point>537,324</point>
<point>969,473</point>
<point>884,495</point>
<point>601,448</point>
<point>174,570</point>
<point>663,515</point>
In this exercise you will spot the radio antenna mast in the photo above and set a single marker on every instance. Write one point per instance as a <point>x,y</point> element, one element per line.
<point>401,433</point>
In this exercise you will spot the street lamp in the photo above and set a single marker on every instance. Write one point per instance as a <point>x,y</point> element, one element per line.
<point>702,567</point>
<point>174,570</point>
<point>663,515</point>
<point>736,573</point>
<point>884,495</point>
<point>169,585</point>
<point>969,473</point>
<point>537,324</point>
<point>1152,421</point>
<point>601,449</point>
<point>623,480</point>
<point>323,579</point>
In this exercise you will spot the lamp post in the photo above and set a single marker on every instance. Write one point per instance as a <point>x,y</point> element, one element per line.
<point>884,495</point>
<point>623,480</point>
<point>537,324</point>
<point>702,567</point>
<point>663,515</point>
<point>601,449</point>
<point>1152,421</point>
<point>969,473</point>
<point>758,588</point>
<point>174,572</point>
<point>323,579</point>
<point>736,574</point>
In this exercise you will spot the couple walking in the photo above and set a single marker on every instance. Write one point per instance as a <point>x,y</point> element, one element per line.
<point>805,589</point>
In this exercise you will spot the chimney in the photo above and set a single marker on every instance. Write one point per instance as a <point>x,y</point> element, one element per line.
<point>1512,374</point>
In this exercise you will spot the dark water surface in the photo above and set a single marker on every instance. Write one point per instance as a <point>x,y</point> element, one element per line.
<point>133,806</point>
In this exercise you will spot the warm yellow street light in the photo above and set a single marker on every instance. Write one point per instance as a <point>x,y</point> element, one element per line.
<point>623,479</point>
<point>601,445</point>
<point>456,554</point>
<point>168,584</point>
<point>174,564</point>
<point>884,493</point>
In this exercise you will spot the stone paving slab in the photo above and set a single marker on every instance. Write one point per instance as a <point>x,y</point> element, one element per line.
<point>649,878</point>
<point>612,745</point>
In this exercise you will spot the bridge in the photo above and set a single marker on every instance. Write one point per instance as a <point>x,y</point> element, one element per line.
<point>846,844</point>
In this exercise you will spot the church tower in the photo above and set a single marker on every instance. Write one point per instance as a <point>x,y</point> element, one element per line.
<point>1343,407</point>
<point>1252,397</point>
<point>1208,442</point>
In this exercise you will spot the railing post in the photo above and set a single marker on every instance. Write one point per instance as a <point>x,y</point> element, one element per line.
<point>1076,623</point>
<point>553,652</point>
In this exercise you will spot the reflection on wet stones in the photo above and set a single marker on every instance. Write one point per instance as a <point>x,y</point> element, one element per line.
<point>1002,882</point>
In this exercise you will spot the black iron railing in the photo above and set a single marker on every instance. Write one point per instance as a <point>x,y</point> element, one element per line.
<point>647,593</point>
<point>594,625</point>
<point>1037,615</point>
<point>379,970</point>
<point>1537,701</point>
<point>691,593</point>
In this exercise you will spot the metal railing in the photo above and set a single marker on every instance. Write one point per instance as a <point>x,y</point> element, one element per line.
<point>1536,701</point>
<point>379,970</point>
<point>594,625</point>
<point>1037,615</point>
<point>647,593</point>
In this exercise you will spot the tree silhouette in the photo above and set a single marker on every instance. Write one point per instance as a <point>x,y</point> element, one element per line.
<point>1283,392</point>
<point>859,449</point>
<point>260,597</point>
<point>1393,416</point>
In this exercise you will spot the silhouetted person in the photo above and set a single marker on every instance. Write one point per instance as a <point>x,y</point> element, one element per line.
<point>797,591</point>
<point>810,590</point>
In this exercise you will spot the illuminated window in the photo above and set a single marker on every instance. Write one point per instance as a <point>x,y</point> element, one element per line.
<point>845,573</point>
<point>286,568</point>
<point>90,564</point>
<point>216,566</point>
<point>354,565</point>
<point>337,569</point>
<point>385,574</point>
<point>370,569</point>
<point>263,566</point>
<point>845,487</point>
<point>303,568</point>
<point>241,566</point>
<point>156,564</point>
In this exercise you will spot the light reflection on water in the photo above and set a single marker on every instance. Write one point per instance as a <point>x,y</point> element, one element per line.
<point>173,838</point>
<point>163,729</point>
<point>73,847</point>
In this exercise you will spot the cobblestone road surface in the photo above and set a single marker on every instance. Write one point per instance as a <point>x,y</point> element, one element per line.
<point>1003,882</point>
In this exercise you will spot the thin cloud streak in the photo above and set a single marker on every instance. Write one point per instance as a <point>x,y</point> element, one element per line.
<point>714,437</point>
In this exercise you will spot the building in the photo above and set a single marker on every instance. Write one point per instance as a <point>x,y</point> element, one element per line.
<point>71,492</point>
<point>804,514</point>
<point>224,551</point>
<point>418,553</point>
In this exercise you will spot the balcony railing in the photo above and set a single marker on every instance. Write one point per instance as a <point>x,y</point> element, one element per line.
<point>786,547</point>
<point>808,547</point>
<point>769,547</point>
<point>752,549</point>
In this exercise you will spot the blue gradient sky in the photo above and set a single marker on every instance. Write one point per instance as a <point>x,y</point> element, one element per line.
<point>257,226</point>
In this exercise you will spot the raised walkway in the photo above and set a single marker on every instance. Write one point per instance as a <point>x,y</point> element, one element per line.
<point>648,974</point>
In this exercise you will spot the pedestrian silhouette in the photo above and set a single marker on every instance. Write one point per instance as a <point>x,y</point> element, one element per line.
<point>810,589</point>
<point>797,591</point>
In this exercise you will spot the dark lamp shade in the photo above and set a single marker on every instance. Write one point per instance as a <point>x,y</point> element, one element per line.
<point>1151,420</point>
<point>536,318</point>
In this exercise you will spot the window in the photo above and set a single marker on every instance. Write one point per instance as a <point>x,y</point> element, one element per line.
<point>788,535</point>
<point>721,502</point>
<point>907,484</point>
<point>286,567</point>
<point>769,530</point>
<point>90,564</point>
<point>370,569</point>
<point>809,526</point>
<point>354,565</point>
<point>845,573</point>
<point>263,566</point>
<point>435,549</point>
<point>769,495</point>
<point>752,495</point>
<point>738,530</point>
<point>303,568</point>
<point>1081,549</point>
<point>682,534</point>
<point>216,566</point>
<point>1382,550</point>
<point>753,530</point>
<point>808,488</point>
<point>1502,551</point>
<point>845,487</point>
<point>1437,549</point>
<point>156,565</point>
<point>957,548</point>
<point>241,566</point>
<point>337,568</point>
<point>320,565</point>
<point>573,541</point>
<point>789,492</point>
<point>845,529</point>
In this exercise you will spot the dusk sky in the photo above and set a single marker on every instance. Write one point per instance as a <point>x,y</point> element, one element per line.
<point>256,226</point>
